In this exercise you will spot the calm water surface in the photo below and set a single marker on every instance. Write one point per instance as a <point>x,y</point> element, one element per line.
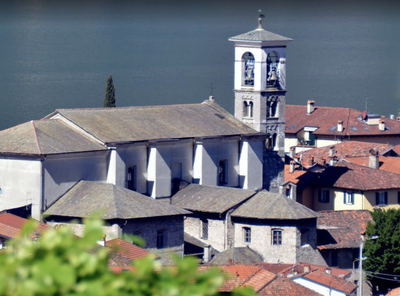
<point>56,54</point>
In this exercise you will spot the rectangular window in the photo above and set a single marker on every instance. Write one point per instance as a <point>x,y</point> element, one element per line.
<point>161,238</point>
<point>382,198</point>
<point>131,178</point>
<point>277,237</point>
<point>204,229</point>
<point>398,197</point>
<point>323,195</point>
<point>222,172</point>
<point>348,198</point>
<point>247,234</point>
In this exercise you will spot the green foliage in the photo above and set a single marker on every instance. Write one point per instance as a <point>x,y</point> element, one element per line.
<point>60,263</point>
<point>383,254</point>
<point>109,100</point>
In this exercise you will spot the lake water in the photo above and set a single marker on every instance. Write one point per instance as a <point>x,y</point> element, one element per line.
<point>58,54</point>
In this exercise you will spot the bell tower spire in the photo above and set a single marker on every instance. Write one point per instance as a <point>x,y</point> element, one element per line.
<point>260,93</point>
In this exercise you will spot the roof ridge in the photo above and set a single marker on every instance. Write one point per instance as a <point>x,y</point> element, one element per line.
<point>36,137</point>
<point>126,107</point>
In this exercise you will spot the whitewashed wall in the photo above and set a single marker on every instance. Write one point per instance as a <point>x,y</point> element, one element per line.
<point>21,184</point>
<point>61,172</point>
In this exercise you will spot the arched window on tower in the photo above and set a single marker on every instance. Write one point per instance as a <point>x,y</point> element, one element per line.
<point>272,69</point>
<point>272,109</point>
<point>247,109</point>
<point>248,69</point>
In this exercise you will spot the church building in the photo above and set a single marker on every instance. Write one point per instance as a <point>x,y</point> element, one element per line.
<point>153,149</point>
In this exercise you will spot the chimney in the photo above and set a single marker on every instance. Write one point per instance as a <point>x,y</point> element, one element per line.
<point>306,268</point>
<point>333,161</point>
<point>292,151</point>
<point>211,98</point>
<point>328,270</point>
<point>382,123</point>
<point>310,107</point>
<point>340,126</point>
<point>332,151</point>
<point>374,158</point>
<point>310,160</point>
<point>207,254</point>
<point>323,161</point>
<point>292,163</point>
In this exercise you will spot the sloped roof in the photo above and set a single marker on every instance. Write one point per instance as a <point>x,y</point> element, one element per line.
<point>347,150</point>
<point>341,229</point>
<point>326,119</point>
<point>127,124</point>
<point>300,268</point>
<point>245,275</point>
<point>212,199</point>
<point>330,281</point>
<point>355,177</point>
<point>41,137</point>
<point>126,249</point>
<point>243,255</point>
<point>11,225</point>
<point>282,286</point>
<point>267,205</point>
<point>86,198</point>
<point>394,292</point>
<point>260,34</point>
<point>386,163</point>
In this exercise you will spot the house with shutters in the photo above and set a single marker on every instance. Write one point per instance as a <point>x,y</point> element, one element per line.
<point>345,186</point>
<point>311,126</point>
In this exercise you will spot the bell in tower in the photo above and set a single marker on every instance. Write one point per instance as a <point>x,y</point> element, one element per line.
<point>260,92</point>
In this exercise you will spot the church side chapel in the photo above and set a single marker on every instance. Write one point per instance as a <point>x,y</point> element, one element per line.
<point>60,164</point>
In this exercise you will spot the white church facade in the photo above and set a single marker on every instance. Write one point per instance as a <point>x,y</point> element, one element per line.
<point>152,149</point>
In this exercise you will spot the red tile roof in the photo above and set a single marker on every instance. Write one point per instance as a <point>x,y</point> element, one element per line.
<point>328,280</point>
<point>282,286</point>
<point>394,292</point>
<point>326,119</point>
<point>11,225</point>
<point>344,150</point>
<point>341,229</point>
<point>126,249</point>
<point>386,163</point>
<point>243,275</point>
<point>355,177</point>
<point>293,177</point>
<point>289,270</point>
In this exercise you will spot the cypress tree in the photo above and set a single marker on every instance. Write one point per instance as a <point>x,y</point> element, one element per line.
<point>109,100</point>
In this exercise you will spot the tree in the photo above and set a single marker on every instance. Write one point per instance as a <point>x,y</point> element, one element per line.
<point>60,263</point>
<point>109,100</point>
<point>383,254</point>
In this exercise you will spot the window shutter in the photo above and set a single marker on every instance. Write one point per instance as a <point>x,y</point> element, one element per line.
<point>327,195</point>
<point>377,198</point>
<point>352,198</point>
<point>386,198</point>
<point>344,197</point>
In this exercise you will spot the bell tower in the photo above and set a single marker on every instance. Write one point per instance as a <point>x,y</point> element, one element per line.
<point>260,90</point>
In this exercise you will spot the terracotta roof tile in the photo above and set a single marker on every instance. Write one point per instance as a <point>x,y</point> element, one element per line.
<point>343,150</point>
<point>285,287</point>
<point>11,225</point>
<point>386,163</point>
<point>326,119</point>
<point>355,177</point>
<point>127,249</point>
<point>394,292</point>
<point>341,229</point>
<point>328,280</point>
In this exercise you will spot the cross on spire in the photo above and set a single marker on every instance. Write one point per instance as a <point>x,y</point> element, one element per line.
<point>260,19</point>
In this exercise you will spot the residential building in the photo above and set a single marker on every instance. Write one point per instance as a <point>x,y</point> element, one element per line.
<point>347,186</point>
<point>314,126</point>
<point>274,226</point>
